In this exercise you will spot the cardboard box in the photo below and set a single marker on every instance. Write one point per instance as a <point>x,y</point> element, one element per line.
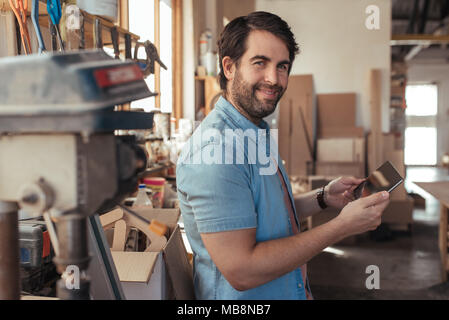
<point>336,169</point>
<point>166,274</point>
<point>341,132</point>
<point>341,150</point>
<point>399,211</point>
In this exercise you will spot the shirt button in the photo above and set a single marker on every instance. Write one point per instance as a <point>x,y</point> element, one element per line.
<point>299,285</point>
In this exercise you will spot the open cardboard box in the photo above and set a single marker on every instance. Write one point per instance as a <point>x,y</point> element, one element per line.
<point>165,274</point>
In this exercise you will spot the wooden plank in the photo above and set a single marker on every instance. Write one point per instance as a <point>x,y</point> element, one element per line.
<point>120,236</point>
<point>376,141</point>
<point>297,124</point>
<point>438,189</point>
<point>8,47</point>
<point>157,44</point>
<point>123,14</point>
<point>343,132</point>
<point>177,44</point>
<point>442,237</point>
<point>108,219</point>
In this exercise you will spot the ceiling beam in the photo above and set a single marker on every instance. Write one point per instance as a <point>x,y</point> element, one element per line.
<point>423,17</point>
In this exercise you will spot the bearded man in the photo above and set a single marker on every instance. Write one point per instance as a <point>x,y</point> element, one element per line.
<point>238,213</point>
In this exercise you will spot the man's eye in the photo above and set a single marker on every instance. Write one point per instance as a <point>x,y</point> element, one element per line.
<point>259,63</point>
<point>283,67</point>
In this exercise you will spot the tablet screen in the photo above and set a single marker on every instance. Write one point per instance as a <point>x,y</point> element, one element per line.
<point>384,178</point>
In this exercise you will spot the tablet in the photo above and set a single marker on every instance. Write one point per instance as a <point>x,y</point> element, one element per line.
<point>384,178</point>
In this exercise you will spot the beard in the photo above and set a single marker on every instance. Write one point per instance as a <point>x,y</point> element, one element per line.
<point>244,95</point>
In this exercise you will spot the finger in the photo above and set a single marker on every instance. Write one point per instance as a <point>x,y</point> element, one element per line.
<point>382,206</point>
<point>350,181</point>
<point>348,195</point>
<point>374,199</point>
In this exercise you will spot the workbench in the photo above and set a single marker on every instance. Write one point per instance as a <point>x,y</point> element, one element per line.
<point>440,190</point>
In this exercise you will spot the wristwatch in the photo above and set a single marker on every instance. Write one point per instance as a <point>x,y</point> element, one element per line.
<point>320,198</point>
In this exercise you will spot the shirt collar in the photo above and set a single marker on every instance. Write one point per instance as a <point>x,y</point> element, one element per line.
<point>226,107</point>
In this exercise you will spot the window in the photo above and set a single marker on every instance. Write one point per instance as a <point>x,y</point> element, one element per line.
<point>421,132</point>
<point>142,18</point>
<point>421,100</point>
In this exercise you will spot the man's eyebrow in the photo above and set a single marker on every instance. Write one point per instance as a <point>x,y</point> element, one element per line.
<point>261,57</point>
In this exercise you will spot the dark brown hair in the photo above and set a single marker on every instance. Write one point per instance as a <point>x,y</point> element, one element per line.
<point>232,42</point>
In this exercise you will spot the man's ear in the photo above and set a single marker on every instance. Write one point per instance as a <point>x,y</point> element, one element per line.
<point>228,68</point>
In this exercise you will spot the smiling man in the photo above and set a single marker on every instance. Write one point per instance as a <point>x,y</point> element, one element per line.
<point>241,222</point>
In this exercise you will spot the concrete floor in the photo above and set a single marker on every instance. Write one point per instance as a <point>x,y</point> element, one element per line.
<point>409,263</point>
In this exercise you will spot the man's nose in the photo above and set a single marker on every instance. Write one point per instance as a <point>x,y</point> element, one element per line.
<point>271,76</point>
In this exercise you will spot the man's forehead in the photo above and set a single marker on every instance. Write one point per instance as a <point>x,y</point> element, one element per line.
<point>264,43</point>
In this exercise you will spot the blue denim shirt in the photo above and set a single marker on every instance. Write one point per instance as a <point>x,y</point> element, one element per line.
<point>226,185</point>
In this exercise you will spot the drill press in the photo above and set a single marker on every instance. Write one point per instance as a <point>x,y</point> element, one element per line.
<point>59,154</point>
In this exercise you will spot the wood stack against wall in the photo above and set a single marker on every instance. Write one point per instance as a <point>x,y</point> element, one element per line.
<point>340,144</point>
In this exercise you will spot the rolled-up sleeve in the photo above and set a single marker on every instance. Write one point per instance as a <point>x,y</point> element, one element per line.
<point>219,196</point>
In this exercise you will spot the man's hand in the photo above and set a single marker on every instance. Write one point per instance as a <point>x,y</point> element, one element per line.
<point>364,214</point>
<point>338,193</point>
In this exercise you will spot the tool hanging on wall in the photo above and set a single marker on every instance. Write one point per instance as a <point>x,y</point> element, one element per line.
<point>20,11</point>
<point>147,65</point>
<point>115,42</point>
<point>128,46</point>
<point>37,28</point>
<point>54,11</point>
<point>98,37</point>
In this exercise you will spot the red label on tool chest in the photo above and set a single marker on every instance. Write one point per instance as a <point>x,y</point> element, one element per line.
<point>115,76</point>
<point>46,244</point>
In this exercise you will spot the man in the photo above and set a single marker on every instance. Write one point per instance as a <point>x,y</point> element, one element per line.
<point>238,215</point>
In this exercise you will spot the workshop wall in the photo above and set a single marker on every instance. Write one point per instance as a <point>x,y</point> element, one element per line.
<point>338,49</point>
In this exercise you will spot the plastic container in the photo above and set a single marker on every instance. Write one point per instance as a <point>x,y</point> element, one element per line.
<point>157,187</point>
<point>142,199</point>
<point>34,243</point>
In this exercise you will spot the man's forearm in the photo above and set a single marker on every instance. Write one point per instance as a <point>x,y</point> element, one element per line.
<point>274,258</point>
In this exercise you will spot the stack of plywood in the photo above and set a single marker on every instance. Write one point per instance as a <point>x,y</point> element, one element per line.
<point>383,147</point>
<point>297,125</point>
<point>340,144</point>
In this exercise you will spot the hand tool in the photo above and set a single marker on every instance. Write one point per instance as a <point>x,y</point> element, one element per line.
<point>147,65</point>
<point>54,11</point>
<point>20,11</point>
<point>37,28</point>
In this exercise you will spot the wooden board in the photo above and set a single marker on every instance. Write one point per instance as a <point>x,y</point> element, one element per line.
<point>336,110</point>
<point>438,189</point>
<point>335,169</point>
<point>134,266</point>
<point>376,149</point>
<point>343,132</point>
<point>341,150</point>
<point>297,124</point>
